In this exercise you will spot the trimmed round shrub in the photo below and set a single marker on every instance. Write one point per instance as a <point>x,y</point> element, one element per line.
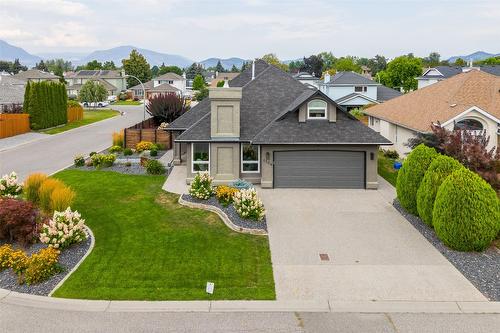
<point>153,152</point>
<point>127,152</point>
<point>411,174</point>
<point>440,168</point>
<point>466,213</point>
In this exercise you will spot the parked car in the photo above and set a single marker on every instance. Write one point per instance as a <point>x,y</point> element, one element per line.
<point>95,104</point>
<point>112,99</point>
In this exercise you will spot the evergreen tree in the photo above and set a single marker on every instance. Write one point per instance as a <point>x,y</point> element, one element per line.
<point>17,67</point>
<point>234,69</point>
<point>219,68</point>
<point>109,65</point>
<point>42,66</point>
<point>198,82</point>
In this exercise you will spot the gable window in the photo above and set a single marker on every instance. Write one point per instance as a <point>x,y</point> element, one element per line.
<point>250,158</point>
<point>360,88</point>
<point>200,157</point>
<point>316,109</point>
<point>469,125</point>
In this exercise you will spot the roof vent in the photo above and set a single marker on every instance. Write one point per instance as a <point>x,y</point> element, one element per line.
<point>453,105</point>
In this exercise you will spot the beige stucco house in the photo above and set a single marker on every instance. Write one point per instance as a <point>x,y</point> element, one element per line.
<point>113,80</point>
<point>270,129</point>
<point>468,101</point>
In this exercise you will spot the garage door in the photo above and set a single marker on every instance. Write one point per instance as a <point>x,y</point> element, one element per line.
<point>319,169</point>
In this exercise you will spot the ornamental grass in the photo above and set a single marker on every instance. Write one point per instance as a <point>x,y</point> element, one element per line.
<point>32,186</point>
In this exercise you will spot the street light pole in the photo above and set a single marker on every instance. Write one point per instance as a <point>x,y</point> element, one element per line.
<point>144,97</point>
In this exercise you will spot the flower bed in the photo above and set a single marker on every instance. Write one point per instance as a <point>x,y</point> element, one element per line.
<point>68,259</point>
<point>482,269</point>
<point>231,213</point>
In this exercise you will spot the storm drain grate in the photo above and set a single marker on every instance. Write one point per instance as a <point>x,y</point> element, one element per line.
<point>324,257</point>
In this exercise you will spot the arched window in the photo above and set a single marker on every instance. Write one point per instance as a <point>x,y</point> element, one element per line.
<point>469,125</point>
<point>316,109</point>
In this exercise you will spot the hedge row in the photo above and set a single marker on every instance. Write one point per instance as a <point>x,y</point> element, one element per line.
<point>46,103</point>
<point>463,209</point>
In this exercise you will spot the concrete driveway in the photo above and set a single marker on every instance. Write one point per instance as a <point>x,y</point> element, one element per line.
<point>375,254</point>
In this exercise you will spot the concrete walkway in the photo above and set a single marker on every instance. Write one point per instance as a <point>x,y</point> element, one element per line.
<point>374,253</point>
<point>176,181</point>
<point>52,153</point>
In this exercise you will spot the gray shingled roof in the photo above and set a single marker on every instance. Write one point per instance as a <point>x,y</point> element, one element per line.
<point>11,94</point>
<point>351,95</point>
<point>100,73</point>
<point>342,78</point>
<point>344,131</point>
<point>385,93</point>
<point>106,84</point>
<point>269,114</point>
<point>169,76</point>
<point>35,74</point>
<point>491,69</point>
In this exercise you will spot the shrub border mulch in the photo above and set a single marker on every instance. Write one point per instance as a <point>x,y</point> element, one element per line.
<point>68,259</point>
<point>482,269</point>
<point>228,215</point>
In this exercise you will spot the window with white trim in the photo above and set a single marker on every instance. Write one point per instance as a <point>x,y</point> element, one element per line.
<point>316,109</point>
<point>200,157</point>
<point>250,158</point>
<point>360,88</point>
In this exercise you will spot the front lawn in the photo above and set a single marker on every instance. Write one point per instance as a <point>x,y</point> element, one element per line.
<point>127,103</point>
<point>386,168</point>
<point>89,117</point>
<point>148,247</point>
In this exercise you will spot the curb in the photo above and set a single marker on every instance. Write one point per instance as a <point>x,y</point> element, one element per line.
<point>227,221</point>
<point>91,247</point>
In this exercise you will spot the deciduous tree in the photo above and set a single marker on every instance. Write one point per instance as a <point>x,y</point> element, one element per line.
<point>401,73</point>
<point>272,59</point>
<point>137,65</point>
<point>92,92</point>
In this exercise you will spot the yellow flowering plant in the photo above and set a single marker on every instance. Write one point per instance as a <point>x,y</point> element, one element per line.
<point>224,194</point>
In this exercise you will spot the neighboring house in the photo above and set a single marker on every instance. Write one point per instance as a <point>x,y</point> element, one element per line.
<point>307,78</point>
<point>469,101</point>
<point>35,75</point>
<point>275,131</point>
<point>166,83</point>
<point>352,90</point>
<point>11,91</point>
<point>439,73</point>
<point>114,81</point>
<point>226,77</point>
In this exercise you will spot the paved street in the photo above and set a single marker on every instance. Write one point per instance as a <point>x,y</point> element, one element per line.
<point>52,153</point>
<point>15,319</point>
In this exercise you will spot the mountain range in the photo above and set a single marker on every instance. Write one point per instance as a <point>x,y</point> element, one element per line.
<point>476,56</point>
<point>10,52</point>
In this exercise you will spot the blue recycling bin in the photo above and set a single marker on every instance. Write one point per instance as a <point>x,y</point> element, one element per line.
<point>397,165</point>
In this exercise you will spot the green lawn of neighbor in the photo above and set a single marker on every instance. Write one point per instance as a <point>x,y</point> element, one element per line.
<point>386,169</point>
<point>89,117</point>
<point>148,247</point>
<point>127,103</point>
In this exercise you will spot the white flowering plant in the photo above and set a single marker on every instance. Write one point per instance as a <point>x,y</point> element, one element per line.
<point>248,205</point>
<point>64,229</point>
<point>10,186</point>
<point>201,186</point>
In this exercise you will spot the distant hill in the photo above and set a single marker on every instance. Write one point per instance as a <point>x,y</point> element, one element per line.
<point>476,56</point>
<point>68,56</point>
<point>116,55</point>
<point>10,52</point>
<point>226,63</point>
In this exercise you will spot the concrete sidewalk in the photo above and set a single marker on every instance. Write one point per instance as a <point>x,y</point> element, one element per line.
<point>176,181</point>
<point>60,304</point>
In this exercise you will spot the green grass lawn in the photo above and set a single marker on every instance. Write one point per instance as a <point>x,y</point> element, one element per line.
<point>148,247</point>
<point>386,169</point>
<point>127,103</point>
<point>89,117</point>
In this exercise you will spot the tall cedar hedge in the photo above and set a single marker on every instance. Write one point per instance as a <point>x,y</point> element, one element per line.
<point>46,103</point>
<point>411,174</point>
<point>466,213</point>
<point>440,168</point>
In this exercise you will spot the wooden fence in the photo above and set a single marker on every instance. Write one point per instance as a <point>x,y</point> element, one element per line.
<point>13,124</point>
<point>146,131</point>
<point>75,113</point>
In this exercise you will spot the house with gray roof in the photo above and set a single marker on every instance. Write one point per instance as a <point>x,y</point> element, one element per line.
<point>270,129</point>
<point>35,75</point>
<point>435,74</point>
<point>307,78</point>
<point>163,84</point>
<point>114,81</point>
<point>352,90</point>
<point>11,91</point>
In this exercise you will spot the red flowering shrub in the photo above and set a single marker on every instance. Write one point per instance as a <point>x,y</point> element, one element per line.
<point>18,220</point>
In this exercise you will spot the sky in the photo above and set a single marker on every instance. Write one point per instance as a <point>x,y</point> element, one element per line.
<point>252,28</point>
